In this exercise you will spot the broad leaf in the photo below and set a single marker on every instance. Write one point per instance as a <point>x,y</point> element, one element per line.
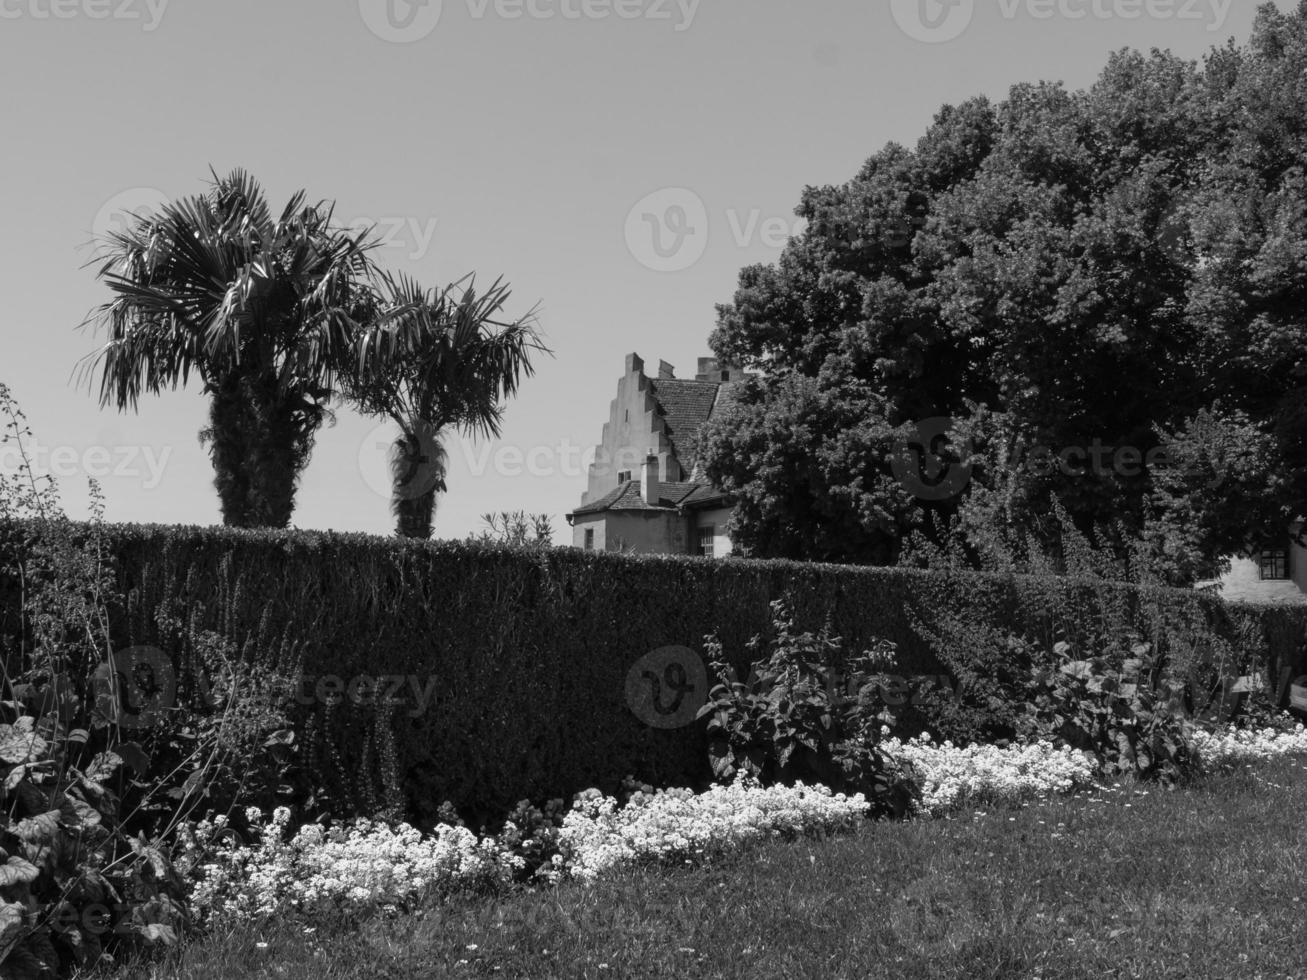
<point>19,744</point>
<point>17,871</point>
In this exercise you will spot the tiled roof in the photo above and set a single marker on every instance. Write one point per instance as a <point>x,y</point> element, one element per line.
<point>728,393</point>
<point>685,406</point>
<point>627,497</point>
<point>704,495</point>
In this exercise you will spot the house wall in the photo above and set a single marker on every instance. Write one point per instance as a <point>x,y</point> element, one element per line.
<point>646,532</point>
<point>594,523</point>
<point>1243,583</point>
<point>716,519</point>
<point>1298,563</point>
<point>633,430</point>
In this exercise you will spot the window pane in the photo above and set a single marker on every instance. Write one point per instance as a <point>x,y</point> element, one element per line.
<point>1274,564</point>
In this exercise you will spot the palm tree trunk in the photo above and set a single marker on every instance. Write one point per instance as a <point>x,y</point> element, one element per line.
<point>417,473</point>
<point>261,437</point>
<point>279,450</point>
<point>227,438</point>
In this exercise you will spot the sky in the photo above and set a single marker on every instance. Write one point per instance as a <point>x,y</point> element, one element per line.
<point>617,161</point>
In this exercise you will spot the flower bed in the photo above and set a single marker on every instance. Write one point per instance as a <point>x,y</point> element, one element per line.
<point>680,825</point>
<point>1233,746</point>
<point>368,865</point>
<point>952,777</point>
<point>319,870</point>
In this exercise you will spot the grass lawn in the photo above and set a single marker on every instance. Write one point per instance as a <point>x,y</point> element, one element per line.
<point>1202,882</point>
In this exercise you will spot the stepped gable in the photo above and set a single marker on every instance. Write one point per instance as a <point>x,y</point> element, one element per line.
<point>684,406</point>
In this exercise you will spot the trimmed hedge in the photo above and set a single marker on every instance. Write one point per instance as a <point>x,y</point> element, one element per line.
<point>529,649</point>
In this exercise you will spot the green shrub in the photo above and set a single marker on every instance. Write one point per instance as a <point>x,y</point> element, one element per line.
<point>526,651</point>
<point>792,721</point>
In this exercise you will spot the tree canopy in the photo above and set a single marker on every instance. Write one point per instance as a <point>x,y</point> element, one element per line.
<point>1099,294</point>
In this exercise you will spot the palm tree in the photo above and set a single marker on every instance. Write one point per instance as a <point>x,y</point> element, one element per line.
<point>261,309</point>
<point>433,361</point>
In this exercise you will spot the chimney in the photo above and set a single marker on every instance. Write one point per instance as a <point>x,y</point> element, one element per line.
<point>710,369</point>
<point>665,370</point>
<point>634,365</point>
<point>649,479</point>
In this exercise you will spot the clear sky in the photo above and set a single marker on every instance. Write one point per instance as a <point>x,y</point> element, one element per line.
<point>543,140</point>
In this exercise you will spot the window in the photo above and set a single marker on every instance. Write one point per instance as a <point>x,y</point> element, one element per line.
<point>589,539</point>
<point>624,477</point>
<point>1274,563</point>
<point>707,541</point>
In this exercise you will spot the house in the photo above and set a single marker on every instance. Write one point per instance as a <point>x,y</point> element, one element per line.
<point>1274,575</point>
<point>646,491</point>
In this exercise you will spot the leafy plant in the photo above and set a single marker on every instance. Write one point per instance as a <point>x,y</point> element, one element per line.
<point>73,885</point>
<point>791,722</point>
<point>516,528</point>
<point>991,668</point>
<point>104,754</point>
<point>1132,717</point>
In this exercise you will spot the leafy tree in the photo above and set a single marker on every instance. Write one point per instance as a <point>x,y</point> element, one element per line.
<point>1217,492</point>
<point>432,361</point>
<point>261,308</point>
<point>804,465</point>
<point>1060,271</point>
